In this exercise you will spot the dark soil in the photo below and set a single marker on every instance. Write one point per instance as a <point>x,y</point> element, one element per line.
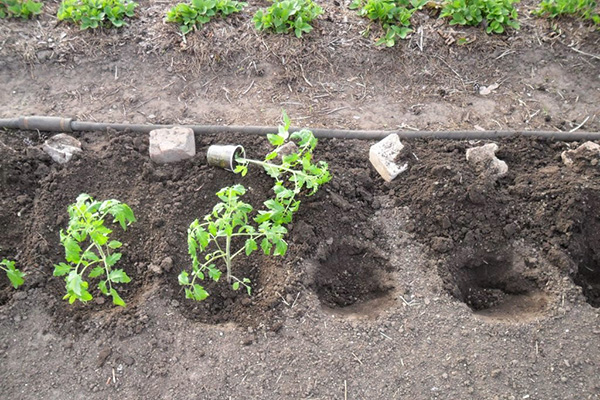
<point>444,283</point>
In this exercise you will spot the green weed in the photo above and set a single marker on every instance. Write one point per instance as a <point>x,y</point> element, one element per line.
<point>496,15</point>
<point>24,9</point>
<point>96,13</point>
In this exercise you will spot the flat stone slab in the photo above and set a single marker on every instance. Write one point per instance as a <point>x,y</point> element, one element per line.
<point>172,144</point>
<point>62,147</point>
<point>383,156</point>
<point>483,159</point>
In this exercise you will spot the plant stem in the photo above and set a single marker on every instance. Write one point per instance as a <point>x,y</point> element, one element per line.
<point>228,257</point>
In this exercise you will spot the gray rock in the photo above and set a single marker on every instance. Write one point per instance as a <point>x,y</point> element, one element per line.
<point>62,147</point>
<point>383,155</point>
<point>483,159</point>
<point>172,145</point>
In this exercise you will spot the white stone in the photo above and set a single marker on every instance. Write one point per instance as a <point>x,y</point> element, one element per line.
<point>172,145</point>
<point>589,150</point>
<point>62,147</point>
<point>383,156</point>
<point>484,159</point>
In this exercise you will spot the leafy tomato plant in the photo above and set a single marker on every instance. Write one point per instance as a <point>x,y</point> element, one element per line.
<point>286,16</point>
<point>15,276</point>
<point>193,15</point>
<point>497,15</point>
<point>96,13</point>
<point>89,250</point>
<point>394,16</point>
<point>585,9</point>
<point>20,8</point>
<point>232,228</point>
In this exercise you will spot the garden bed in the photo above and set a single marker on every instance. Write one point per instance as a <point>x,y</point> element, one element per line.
<point>440,284</point>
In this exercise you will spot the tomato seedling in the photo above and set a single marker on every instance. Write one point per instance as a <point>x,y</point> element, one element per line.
<point>90,250</point>
<point>230,224</point>
<point>15,276</point>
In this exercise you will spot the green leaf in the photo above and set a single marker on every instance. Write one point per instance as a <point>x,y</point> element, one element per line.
<point>119,276</point>
<point>15,276</point>
<point>117,300</point>
<point>236,285</point>
<point>250,246</point>
<point>275,140</point>
<point>72,250</point>
<point>61,269</point>
<point>112,259</point>
<point>199,293</point>
<point>114,244</point>
<point>184,278</point>
<point>96,272</point>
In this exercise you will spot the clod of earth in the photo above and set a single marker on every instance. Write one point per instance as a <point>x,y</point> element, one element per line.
<point>172,145</point>
<point>589,151</point>
<point>484,160</point>
<point>62,147</point>
<point>383,156</point>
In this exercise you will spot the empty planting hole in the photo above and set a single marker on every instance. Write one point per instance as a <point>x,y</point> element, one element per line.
<point>499,285</point>
<point>586,251</point>
<point>351,276</point>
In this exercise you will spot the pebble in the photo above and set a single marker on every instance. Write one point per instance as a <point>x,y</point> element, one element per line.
<point>174,303</point>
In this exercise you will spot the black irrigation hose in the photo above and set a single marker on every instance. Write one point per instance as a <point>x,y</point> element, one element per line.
<point>59,124</point>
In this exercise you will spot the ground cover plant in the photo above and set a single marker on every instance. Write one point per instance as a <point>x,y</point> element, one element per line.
<point>191,16</point>
<point>89,248</point>
<point>20,8</point>
<point>15,276</point>
<point>231,219</point>
<point>496,15</point>
<point>288,16</point>
<point>585,9</point>
<point>394,16</point>
<point>96,13</point>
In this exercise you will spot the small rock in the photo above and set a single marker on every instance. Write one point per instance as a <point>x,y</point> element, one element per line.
<point>248,340</point>
<point>172,145</point>
<point>383,157</point>
<point>340,202</point>
<point>166,264</point>
<point>128,360</point>
<point>62,147</point>
<point>484,159</point>
<point>99,300</point>
<point>174,303</point>
<point>155,269</point>
<point>22,295</point>
<point>23,199</point>
<point>103,356</point>
<point>442,245</point>
<point>246,301</point>
<point>588,150</point>
<point>496,373</point>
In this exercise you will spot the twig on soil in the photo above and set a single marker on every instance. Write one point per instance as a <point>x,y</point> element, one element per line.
<point>284,301</point>
<point>357,359</point>
<point>294,303</point>
<point>407,303</point>
<point>420,42</point>
<point>335,110</point>
<point>584,53</point>
<point>114,377</point>
<point>279,377</point>
<point>580,125</point>
<point>385,336</point>
<point>451,69</point>
<point>247,90</point>
<point>345,390</point>
<point>505,53</point>
<point>226,94</point>
<point>10,148</point>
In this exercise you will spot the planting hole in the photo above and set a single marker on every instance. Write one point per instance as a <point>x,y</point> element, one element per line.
<point>585,250</point>
<point>354,279</point>
<point>500,286</point>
